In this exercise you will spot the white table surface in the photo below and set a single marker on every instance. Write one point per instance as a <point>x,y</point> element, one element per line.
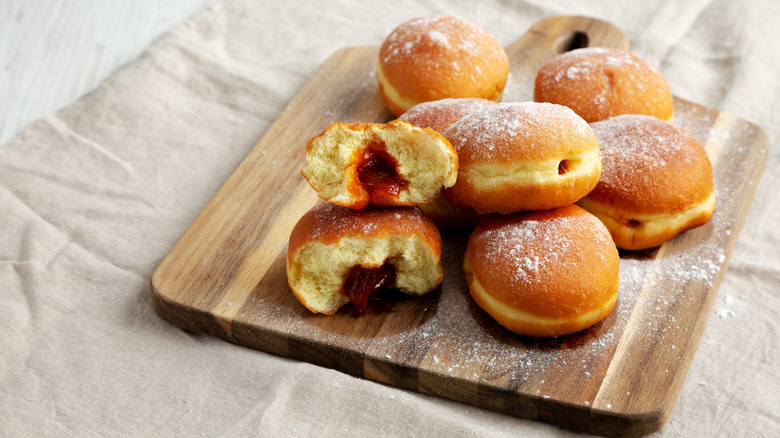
<point>52,52</point>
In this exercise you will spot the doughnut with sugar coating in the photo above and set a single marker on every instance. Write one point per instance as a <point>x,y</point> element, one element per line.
<point>522,156</point>
<point>598,83</point>
<point>439,56</point>
<point>656,181</point>
<point>545,273</point>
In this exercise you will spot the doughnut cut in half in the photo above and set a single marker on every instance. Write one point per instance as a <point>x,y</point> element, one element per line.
<point>656,181</point>
<point>393,164</point>
<point>543,274</point>
<point>522,156</point>
<point>338,255</point>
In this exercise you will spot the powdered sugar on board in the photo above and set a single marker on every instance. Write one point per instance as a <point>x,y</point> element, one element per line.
<point>454,336</point>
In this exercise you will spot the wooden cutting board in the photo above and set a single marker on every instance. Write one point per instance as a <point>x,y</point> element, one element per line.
<point>226,275</point>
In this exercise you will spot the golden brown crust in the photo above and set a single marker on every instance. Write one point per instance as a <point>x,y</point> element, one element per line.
<point>440,114</point>
<point>436,57</point>
<point>522,156</point>
<point>598,83</point>
<point>635,232</point>
<point>506,132</point>
<point>544,273</point>
<point>650,166</point>
<point>329,241</point>
<point>327,223</point>
<point>656,181</point>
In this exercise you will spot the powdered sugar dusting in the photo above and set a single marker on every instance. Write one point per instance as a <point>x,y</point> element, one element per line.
<point>513,130</point>
<point>440,114</point>
<point>438,37</point>
<point>332,220</point>
<point>446,45</point>
<point>429,30</point>
<point>449,339</point>
<point>540,250</point>
<point>639,153</point>
<point>598,83</point>
<point>511,242</point>
<point>730,307</point>
<point>585,63</point>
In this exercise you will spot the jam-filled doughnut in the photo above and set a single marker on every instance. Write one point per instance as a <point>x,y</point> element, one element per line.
<point>522,156</point>
<point>393,164</point>
<point>656,181</point>
<point>598,83</point>
<point>440,114</point>
<point>338,255</point>
<point>545,273</point>
<point>439,56</point>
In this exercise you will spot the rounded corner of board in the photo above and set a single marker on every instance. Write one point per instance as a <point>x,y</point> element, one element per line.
<point>162,300</point>
<point>630,424</point>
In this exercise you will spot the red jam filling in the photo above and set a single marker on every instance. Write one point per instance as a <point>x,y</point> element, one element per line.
<point>378,172</point>
<point>361,282</point>
<point>563,167</point>
<point>633,223</point>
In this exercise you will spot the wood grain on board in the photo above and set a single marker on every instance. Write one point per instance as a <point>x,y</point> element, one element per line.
<point>226,275</point>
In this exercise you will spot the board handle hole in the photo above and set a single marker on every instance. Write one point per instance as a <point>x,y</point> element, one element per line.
<point>574,40</point>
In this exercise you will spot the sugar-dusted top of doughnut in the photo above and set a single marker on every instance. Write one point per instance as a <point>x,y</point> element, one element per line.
<point>650,165</point>
<point>519,130</point>
<point>326,223</point>
<point>438,56</point>
<point>583,62</point>
<point>542,261</point>
<point>443,31</point>
<point>440,114</point>
<point>598,83</point>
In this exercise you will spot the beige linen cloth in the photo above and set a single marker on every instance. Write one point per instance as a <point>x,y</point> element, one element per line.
<point>93,197</point>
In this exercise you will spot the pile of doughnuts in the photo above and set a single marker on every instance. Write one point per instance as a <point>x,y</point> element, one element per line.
<point>548,189</point>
